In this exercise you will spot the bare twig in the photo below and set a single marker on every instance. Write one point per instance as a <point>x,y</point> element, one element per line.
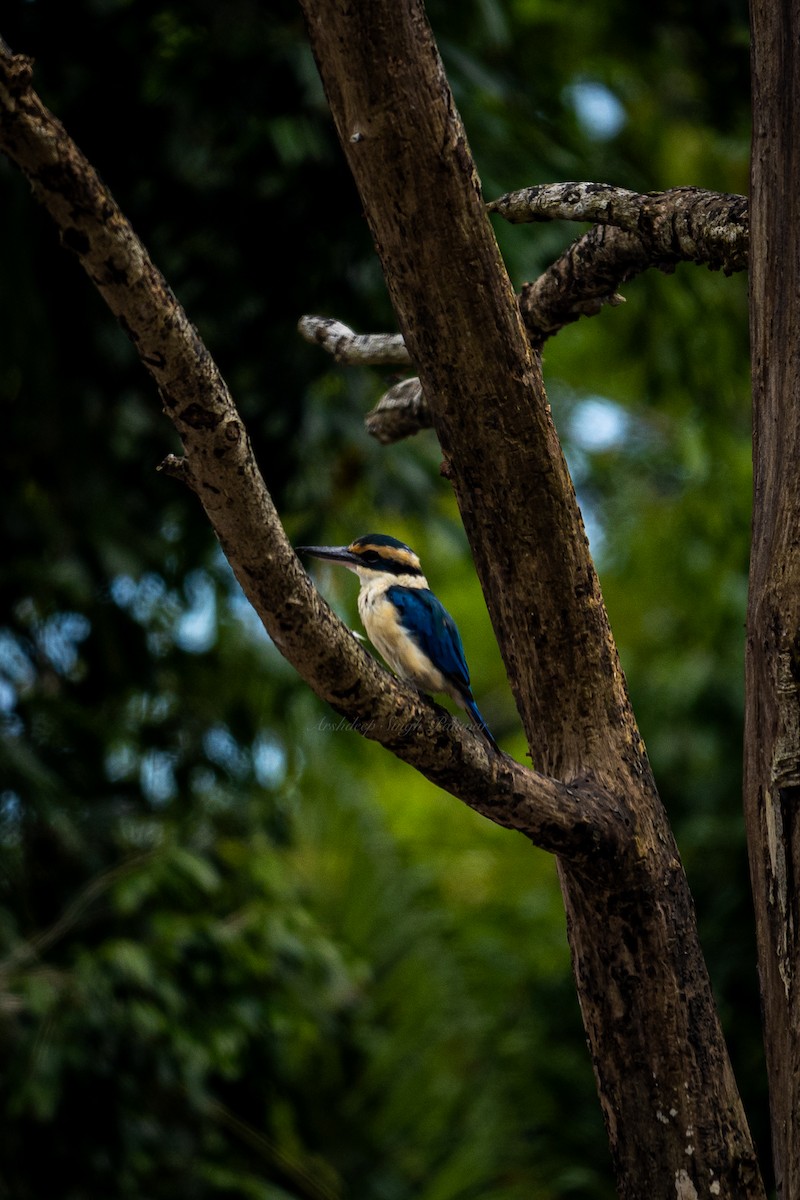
<point>403,410</point>
<point>354,349</point>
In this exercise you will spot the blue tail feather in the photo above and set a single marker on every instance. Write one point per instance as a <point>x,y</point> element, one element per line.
<point>475,713</point>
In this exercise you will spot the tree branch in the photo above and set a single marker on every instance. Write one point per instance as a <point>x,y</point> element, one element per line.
<point>573,821</point>
<point>403,410</point>
<point>354,349</point>
<point>460,322</point>
<point>584,279</point>
<point>635,231</point>
<point>683,224</point>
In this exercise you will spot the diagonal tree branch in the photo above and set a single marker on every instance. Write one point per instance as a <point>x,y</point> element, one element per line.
<point>583,280</point>
<point>572,821</point>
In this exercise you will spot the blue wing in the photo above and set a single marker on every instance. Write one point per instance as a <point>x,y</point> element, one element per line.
<point>434,630</point>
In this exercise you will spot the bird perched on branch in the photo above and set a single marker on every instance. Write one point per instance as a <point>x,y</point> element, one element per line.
<point>411,628</point>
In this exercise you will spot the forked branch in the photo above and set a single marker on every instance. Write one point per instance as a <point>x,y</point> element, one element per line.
<point>572,821</point>
<point>633,232</point>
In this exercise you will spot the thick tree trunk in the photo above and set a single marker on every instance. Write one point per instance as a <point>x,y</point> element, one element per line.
<point>772,736</point>
<point>674,1118</point>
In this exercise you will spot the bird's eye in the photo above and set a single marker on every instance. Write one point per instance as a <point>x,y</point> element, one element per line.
<point>371,556</point>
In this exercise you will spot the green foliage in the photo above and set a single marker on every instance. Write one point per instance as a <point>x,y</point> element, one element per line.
<point>242,952</point>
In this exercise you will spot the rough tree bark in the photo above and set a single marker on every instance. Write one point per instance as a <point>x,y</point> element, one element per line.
<point>772,722</point>
<point>673,1114</point>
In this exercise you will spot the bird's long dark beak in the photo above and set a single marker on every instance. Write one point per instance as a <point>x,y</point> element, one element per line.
<point>339,554</point>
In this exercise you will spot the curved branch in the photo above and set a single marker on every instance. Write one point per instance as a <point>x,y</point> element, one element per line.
<point>683,224</point>
<point>583,280</point>
<point>634,231</point>
<point>573,821</point>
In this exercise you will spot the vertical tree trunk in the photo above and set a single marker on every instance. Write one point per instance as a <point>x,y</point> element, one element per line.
<point>772,732</point>
<point>675,1121</point>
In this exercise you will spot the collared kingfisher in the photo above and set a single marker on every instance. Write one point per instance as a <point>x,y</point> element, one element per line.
<point>411,628</point>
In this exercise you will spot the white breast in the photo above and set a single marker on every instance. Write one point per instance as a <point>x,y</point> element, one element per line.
<point>393,642</point>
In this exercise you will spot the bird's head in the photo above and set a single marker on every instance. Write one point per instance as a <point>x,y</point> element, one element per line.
<point>371,556</point>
